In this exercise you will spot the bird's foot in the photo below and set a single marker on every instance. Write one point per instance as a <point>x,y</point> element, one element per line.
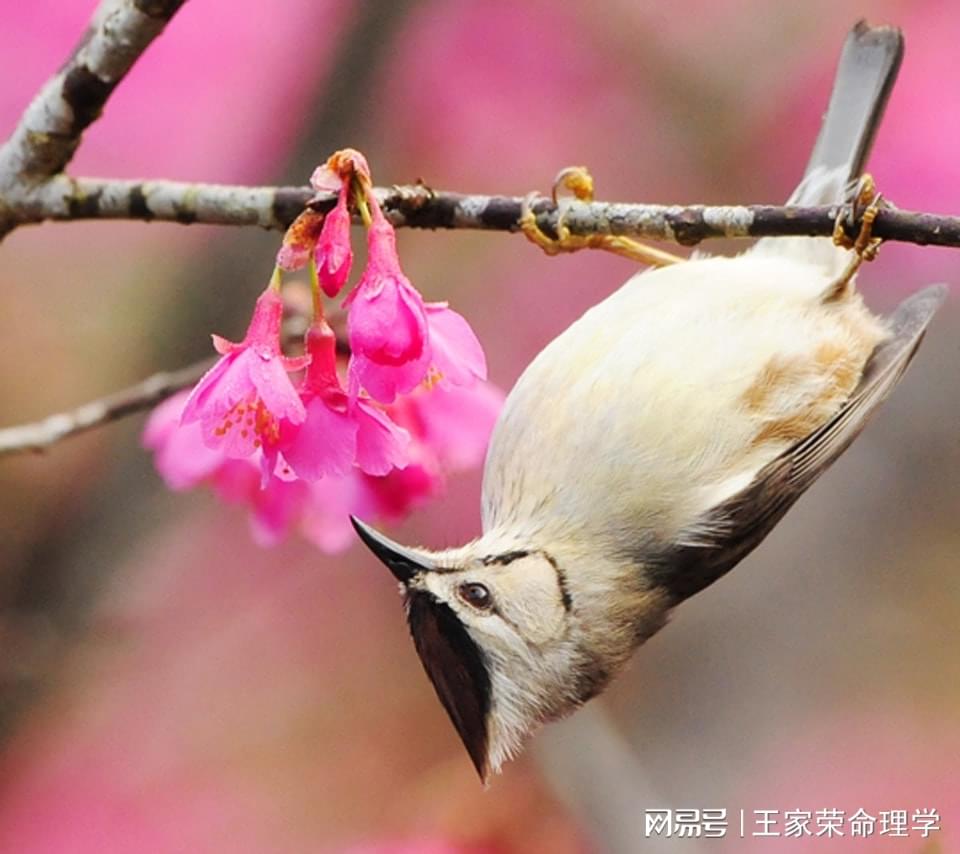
<point>576,183</point>
<point>866,203</point>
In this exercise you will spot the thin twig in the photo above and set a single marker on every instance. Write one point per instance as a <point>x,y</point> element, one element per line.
<point>417,206</point>
<point>49,131</point>
<point>40,435</point>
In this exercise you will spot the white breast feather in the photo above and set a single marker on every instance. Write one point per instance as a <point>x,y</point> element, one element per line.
<point>654,407</point>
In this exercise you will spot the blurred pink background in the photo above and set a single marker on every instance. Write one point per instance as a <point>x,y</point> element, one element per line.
<point>168,686</point>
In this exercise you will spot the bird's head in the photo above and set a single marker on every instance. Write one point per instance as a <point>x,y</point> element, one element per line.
<point>503,638</point>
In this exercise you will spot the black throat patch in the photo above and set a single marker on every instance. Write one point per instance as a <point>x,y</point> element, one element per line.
<point>456,667</point>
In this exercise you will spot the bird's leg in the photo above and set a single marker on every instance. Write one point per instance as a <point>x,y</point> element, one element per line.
<point>865,246</point>
<point>577,181</point>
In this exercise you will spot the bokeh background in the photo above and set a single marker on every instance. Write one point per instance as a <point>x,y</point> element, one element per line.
<point>165,685</point>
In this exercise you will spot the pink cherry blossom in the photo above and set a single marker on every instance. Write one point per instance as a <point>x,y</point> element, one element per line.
<point>446,429</point>
<point>180,455</point>
<point>184,461</point>
<point>326,516</point>
<point>333,254</point>
<point>387,323</point>
<point>275,509</point>
<point>457,355</point>
<point>452,424</point>
<point>395,495</point>
<point>241,400</point>
<point>309,455</point>
<point>275,505</point>
<point>337,433</point>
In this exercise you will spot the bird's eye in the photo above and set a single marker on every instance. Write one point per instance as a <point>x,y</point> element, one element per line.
<point>476,595</point>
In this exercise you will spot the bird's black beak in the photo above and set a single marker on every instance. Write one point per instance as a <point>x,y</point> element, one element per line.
<point>404,563</point>
<point>454,662</point>
<point>457,668</point>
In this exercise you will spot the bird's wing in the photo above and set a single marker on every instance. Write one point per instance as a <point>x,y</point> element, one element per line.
<point>739,524</point>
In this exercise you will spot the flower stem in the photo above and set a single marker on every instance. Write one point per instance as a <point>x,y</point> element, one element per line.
<point>360,199</point>
<point>276,278</point>
<point>318,314</point>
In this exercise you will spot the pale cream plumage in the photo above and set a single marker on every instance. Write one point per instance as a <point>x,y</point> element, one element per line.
<point>687,380</point>
<point>651,446</point>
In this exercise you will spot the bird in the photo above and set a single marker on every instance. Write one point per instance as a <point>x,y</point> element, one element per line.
<point>655,443</point>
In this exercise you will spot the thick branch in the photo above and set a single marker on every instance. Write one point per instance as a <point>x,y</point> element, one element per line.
<point>66,198</point>
<point>49,131</point>
<point>417,206</point>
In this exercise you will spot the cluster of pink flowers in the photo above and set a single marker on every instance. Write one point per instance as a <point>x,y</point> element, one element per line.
<point>309,451</point>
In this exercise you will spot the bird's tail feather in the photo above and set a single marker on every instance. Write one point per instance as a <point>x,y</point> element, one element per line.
<point>865,75</point>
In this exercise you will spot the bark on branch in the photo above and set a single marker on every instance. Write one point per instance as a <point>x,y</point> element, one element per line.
<point>418,206</point>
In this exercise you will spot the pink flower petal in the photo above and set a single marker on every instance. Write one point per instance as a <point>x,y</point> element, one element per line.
<point>325,444</point>
<point>180,455</point>
<point>457,354</point>
<point>326,515</point>
<point>224,346</point>
<point>268,374</point>
<point>325,180</point>
<point>381,444</point>
<point>340,167</point>
<point>241,399</point>
<point>387,323</point>
<point>200,396</point>
<point>453,423</point>
<point>334,254</point>
<point>276,509</point>
<point>387,320</point>
<point>385,383</point>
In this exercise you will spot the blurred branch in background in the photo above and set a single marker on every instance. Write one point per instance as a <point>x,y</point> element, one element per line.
<point>418,206</point>
<point>595,770</point>
<point>40,435</point>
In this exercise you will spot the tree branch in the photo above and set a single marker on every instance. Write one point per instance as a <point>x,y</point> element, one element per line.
<point>66,198</point>
<point>49,131</point>
<point>33,187</point>
<point>418,206</point>
<point>40,435</point>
